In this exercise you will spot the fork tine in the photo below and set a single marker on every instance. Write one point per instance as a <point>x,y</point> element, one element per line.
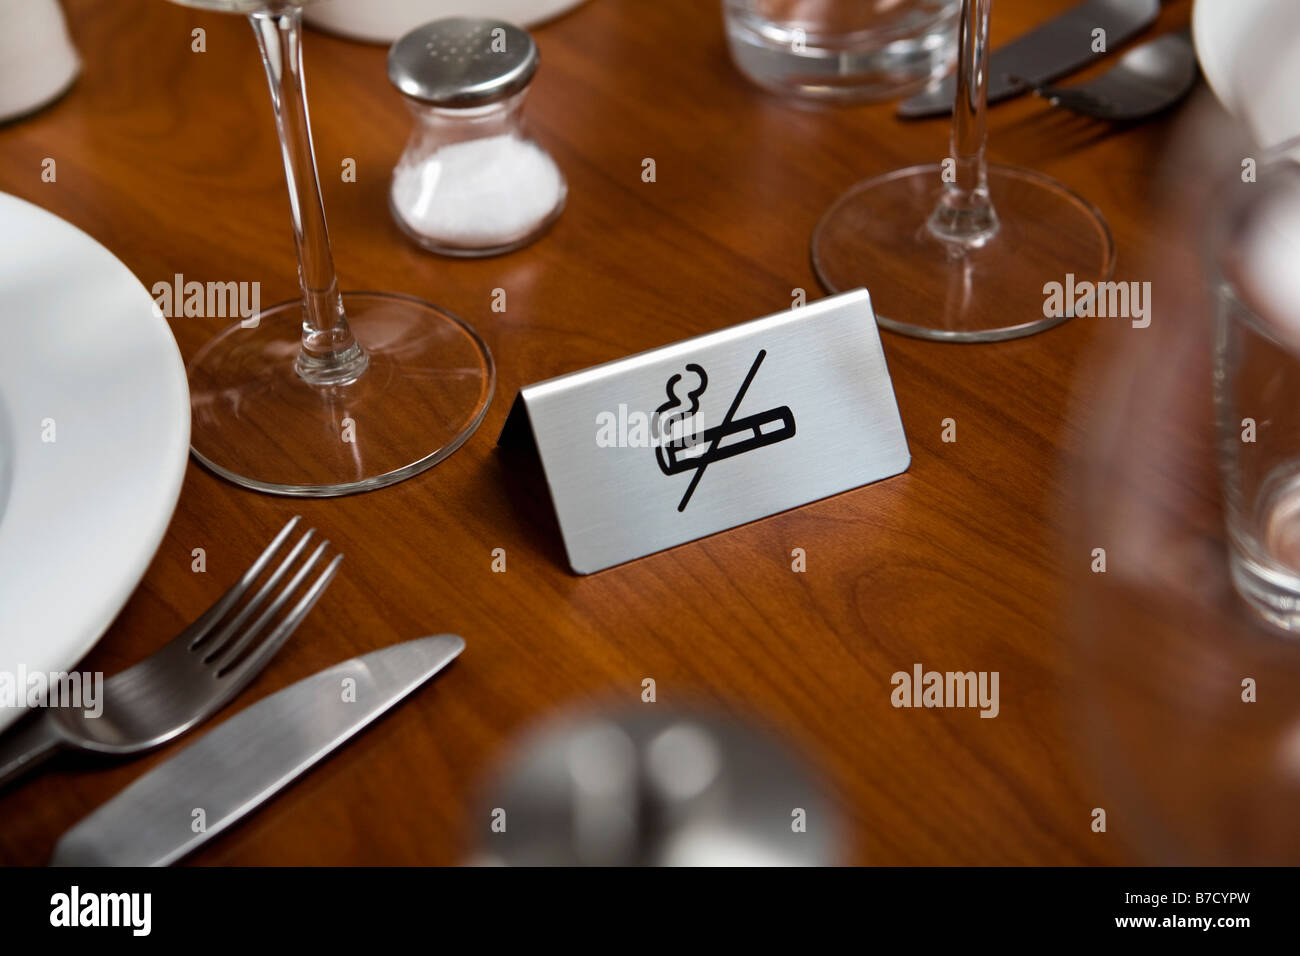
<point>219,643</point>
<point>251,665</point>
<point>204,623</point>
<point>220,660</point>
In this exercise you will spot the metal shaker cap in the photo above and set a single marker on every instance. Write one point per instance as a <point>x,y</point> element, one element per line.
<point>463,62</point>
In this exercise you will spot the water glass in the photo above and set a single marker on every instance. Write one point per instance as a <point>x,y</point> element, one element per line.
<point>1255,271</point>
<point>845,50</point>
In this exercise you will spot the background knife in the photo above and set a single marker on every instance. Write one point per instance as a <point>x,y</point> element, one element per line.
<point>1058,47</point>
<point>248,759</point>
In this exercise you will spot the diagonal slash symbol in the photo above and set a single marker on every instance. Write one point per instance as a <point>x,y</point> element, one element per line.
<point>722,429</point>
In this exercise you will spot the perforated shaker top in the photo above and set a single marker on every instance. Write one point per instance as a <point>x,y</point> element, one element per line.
<point>463,62</point>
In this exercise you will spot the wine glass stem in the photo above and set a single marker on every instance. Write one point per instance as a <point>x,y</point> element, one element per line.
<point>965,212</point>
<point>329,354</point>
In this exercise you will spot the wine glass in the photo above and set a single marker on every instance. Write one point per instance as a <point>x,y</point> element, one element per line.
<point>333,393</point>
<point>960,250</point>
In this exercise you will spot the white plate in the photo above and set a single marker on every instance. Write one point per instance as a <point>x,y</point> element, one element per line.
<point>83,346</point>
<point>37,59</point>
<point>1249,51</point>
<point>383,21</point>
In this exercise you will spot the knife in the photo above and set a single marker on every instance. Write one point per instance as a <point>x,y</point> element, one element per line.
<point>249,758</point>
<point>1058,47</point>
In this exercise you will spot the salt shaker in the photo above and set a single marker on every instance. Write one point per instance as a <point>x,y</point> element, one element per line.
<point>471,181</point>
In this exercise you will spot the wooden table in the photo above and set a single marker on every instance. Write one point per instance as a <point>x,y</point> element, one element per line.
<point>169,158</point>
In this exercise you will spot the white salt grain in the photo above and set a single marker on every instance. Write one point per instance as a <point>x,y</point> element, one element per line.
<point>480,192</point>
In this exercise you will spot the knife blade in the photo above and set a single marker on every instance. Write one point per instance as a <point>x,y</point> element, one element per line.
<point>249,758</point>
<point>1058,47</point>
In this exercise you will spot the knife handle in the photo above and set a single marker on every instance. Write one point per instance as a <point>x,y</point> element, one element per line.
<point>27,745</point>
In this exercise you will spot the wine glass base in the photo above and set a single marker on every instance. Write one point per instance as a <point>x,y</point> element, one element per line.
<point>877,236</point>
<point>259,425</point>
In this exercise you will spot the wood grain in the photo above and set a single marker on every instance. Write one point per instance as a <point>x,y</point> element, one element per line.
<point>169,158</point>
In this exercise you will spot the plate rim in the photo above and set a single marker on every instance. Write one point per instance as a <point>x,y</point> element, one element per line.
<point>172,466</point>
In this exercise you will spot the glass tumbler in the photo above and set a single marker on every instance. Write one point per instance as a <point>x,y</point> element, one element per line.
<point>842,50</point>
<point>1255,270</point>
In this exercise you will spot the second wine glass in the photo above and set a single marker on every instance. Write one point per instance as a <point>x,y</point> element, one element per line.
<point>960,250</point>
<point>335,392</point>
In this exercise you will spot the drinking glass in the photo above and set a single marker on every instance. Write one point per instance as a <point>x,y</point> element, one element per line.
<point>336,392</point>
<point>960,250</point>
<point>1181,702</point>
<point>842,50</point>
<point>1257,386</point>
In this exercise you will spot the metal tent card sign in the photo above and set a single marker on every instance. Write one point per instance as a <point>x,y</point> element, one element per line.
<point>660,448</point>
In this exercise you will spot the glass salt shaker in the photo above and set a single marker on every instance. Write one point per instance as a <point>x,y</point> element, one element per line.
<point>471,181</point>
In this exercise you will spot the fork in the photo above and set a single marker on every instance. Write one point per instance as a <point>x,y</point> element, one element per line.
<point>189,678</point>
<point>1147,79</point>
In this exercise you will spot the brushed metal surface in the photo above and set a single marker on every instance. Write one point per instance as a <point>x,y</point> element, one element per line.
<point>1059,47</point>
<point>463,62</point>
<point>249,758</point>
<point>817,384</point>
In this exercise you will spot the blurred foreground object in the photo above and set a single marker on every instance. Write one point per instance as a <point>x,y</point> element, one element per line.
<point>1255,249</point>
<point>1186,704</point>
<point>628,788</point>
<point>37,59</point>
